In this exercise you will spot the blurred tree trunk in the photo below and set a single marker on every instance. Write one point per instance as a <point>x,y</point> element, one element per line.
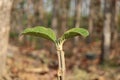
<point>106,37</point>
<point>39,11</point>
<point>91,20</point>
<point>5,12</point>
<point>38,18</point>
<point>77,17</point>
<point>115,13</point>
<point>77,13</point>
<point>17,24</point>
<point>54,23</point>
<point>64,10</point>
<point>94,16</point>
<point>55,15</point>
<point>28,11</point>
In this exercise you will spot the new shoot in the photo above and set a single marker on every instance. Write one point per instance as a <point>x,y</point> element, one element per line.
<point>49,34</point>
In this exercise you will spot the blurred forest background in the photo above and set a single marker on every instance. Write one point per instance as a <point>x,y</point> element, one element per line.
<point>29,58</point>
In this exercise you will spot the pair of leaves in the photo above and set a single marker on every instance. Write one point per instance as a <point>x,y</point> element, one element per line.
<point>49,34</point>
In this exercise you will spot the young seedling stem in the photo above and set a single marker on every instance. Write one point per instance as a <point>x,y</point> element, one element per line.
<point>49,34</point>
<point>61,61</point>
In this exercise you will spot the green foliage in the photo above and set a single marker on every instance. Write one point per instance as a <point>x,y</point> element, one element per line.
<point>40,31</point>
<point>47,33</point>
<point>75,32</point>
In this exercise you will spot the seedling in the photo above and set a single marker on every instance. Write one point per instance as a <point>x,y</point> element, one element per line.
<point>49,34</point>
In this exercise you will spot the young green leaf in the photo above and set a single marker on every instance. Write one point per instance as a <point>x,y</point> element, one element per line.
<point>39,31</point>
<point>75,32</point>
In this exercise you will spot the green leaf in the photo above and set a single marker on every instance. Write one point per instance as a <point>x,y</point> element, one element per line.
<point>75,32</point>
<point>40,31</point>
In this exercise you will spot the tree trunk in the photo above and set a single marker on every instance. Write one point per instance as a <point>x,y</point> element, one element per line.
<point>115,13</point>
<point>17,24</point>
<point>27,10</point>
<point>106,37</point>
<point>64,8</point>
<point>5,11</point>
<point>94,16</point>
<point>39,11</point>
<point>91,20</point>
<point>54,23</point>
<point>77,17</point>
<point>55,15</point>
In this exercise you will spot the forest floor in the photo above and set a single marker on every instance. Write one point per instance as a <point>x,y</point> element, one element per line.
<point>82,63</point>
